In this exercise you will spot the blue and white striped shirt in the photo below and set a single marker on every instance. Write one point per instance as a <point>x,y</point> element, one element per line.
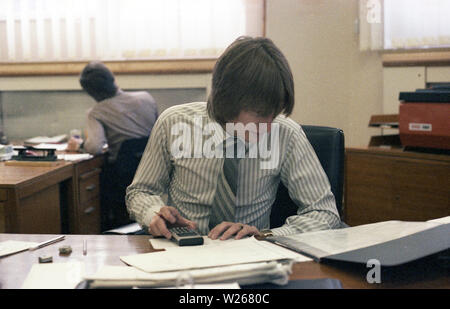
<point>191,182</point>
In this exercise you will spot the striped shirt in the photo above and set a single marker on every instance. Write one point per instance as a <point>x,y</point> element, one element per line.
<point>190,178</point>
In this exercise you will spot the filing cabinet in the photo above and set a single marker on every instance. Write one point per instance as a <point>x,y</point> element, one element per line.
<point>84,214</point>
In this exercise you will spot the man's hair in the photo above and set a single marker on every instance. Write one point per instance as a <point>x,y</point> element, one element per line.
<point>98,81</point>
<point>251,75</point>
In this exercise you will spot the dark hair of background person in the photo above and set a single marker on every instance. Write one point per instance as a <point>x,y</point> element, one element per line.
<point>98,81</point>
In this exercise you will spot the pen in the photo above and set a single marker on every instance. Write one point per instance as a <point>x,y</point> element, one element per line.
<point>84,247</point>
<point>46,243</point>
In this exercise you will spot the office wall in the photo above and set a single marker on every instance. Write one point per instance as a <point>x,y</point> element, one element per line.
<point>53,112</point>
<point>52,105</point>
<point>335,83</point>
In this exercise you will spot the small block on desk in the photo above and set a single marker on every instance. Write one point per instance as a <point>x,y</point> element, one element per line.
<point>65,250</point>
<point>46,259</point>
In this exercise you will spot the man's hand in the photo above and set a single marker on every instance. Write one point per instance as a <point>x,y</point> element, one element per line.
<point>74,144</point>
<point>229,229</point>
<point>168,217</point>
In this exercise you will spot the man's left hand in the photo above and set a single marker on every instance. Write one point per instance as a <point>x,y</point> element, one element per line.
<point>229,229</point>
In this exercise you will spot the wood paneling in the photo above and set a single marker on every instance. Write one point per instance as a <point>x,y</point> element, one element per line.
<point>416,58</point>
<point>117,67</point>
<point>383,185</point>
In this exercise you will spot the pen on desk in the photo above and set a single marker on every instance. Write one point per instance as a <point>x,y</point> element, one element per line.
<point>84,247</point>
<point>46,243</point>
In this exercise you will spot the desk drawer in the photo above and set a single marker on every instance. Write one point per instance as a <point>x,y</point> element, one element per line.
<point>3,195</point>
<point>89,217</point>
<point>89,185</point>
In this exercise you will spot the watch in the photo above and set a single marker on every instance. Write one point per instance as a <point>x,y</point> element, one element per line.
<point>266,233</point>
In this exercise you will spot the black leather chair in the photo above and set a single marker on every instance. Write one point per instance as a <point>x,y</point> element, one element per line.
<point>329,145</point>
<point>115,178</point>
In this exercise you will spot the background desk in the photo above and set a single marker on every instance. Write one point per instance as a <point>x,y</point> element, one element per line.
<point>57,199</point>
<point>383,185</point>
<point>106,249</point>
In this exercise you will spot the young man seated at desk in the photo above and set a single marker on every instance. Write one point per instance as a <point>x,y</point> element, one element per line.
<point>118,115</point>
<point>222,197</point>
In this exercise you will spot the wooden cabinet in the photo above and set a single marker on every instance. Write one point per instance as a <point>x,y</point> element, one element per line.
<point>385,185</point>
<point>85,212</point>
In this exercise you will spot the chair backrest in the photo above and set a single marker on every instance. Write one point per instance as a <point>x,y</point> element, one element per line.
<point>129,156</point>
<point>329,145</point>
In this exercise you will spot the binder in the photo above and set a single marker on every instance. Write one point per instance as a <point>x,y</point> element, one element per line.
<point>391,243</point>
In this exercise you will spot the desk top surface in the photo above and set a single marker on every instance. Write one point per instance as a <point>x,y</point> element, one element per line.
<point>398,152</point>
<point>106,249</point>
<point>16,175</point>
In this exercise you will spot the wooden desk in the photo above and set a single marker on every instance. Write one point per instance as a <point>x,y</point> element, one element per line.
<point>30,197</point>
<point>106,249</point>
<point>383,185</point>
<point>55,199</point>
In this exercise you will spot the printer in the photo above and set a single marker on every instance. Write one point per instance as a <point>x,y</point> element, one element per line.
<point>424,118</point>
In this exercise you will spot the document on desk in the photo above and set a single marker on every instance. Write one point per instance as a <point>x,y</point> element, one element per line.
<point>248,250</point>
<point>13,246</point>
<point>45,139</point>
<point>391,242</point>
<point>58,147</point>
<point>250,273</point>
<point>74,156</point>
<point>54,276</point>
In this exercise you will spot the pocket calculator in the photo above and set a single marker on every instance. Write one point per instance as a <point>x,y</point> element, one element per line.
<point>184,236</point>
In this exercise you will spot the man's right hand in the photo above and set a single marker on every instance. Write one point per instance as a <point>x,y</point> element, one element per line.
<point>74,144</point>
<point>168,217</point>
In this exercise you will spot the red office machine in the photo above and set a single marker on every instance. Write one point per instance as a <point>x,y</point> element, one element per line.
<point>424,118</point>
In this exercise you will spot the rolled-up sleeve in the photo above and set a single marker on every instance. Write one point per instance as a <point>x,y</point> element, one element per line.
<point>96,138</point>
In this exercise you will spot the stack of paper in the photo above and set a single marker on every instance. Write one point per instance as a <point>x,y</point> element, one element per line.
<point>246,261</point>
<point>46,139</point>
<point>125,276</point>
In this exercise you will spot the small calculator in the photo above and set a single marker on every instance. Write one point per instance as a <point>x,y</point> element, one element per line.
<point>184,236</point>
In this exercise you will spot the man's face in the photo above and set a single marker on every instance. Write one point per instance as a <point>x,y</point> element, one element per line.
<point>251,126</point>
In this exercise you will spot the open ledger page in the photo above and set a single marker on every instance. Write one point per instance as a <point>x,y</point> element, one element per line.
<point>324,243</point>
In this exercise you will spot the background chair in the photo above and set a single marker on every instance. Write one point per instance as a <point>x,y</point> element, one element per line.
<point>329,145</point>
<point>115,178</point>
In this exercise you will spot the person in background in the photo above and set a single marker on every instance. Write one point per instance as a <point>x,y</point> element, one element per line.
<point>117,116</point>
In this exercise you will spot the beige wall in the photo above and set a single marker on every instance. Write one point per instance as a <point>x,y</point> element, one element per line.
<point>336,84</point>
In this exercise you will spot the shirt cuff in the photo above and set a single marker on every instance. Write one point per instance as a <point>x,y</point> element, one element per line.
<point>151,212</point>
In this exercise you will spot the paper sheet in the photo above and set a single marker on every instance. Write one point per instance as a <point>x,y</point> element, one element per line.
<point>54,276</point>
<point>75,156</point>
<point>127,229</point>
<point>13,246</point>
<point>443,220</point>
<point>164,243</point>
<point>59,147</point>
<point>248,250</point>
